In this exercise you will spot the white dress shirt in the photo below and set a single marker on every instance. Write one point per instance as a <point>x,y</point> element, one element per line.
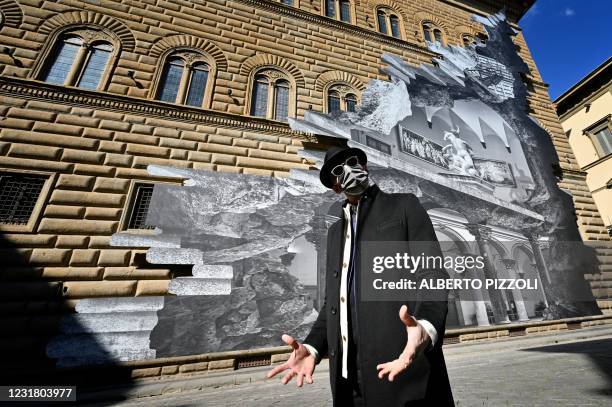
<point>344,331</point>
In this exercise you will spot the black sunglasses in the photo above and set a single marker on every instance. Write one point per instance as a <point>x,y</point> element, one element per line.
<point>339,169</point>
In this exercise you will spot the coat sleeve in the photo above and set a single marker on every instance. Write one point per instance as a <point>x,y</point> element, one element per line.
<point>430,304</point>
<point>318,333</point>
<point>317,337</point>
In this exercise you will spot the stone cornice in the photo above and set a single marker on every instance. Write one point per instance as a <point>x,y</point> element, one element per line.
<point>295,12</point>
<point>32,89</point>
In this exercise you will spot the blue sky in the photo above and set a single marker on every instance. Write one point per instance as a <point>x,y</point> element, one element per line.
<point>568,39</point>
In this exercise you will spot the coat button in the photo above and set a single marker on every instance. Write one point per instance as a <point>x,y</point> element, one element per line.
<point>333,310</point>
<point>342,299</point>
<point>344,338</point>
<point>335,273</point>
<point>332,353</point>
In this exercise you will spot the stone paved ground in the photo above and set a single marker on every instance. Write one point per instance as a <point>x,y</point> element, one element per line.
<point>517,372</point>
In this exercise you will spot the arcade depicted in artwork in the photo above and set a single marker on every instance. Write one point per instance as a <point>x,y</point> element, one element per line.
<point>252,249</point>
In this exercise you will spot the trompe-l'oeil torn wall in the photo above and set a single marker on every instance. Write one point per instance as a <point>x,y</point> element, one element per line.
<point>455,133</point>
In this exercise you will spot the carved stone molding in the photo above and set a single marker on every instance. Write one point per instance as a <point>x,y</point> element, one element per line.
<point>89,19</point>
<point>10,14</point>
<point>189,42</point>
<point>328,77</point>
<point>30,89</point>
<point>339,25</point>
<point>273,61</point>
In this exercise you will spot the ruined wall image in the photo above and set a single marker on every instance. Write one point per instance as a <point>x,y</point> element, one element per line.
<point>455,133</point>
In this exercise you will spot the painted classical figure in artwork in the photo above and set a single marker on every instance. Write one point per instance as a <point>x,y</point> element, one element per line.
<point>458,154</point>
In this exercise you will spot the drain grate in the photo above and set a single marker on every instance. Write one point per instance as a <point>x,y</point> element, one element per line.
<point>254,362</point>
<point>518,332</point>
<point>574,325</point>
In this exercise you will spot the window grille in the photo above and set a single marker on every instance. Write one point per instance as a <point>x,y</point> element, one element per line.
<point>18,196</point>
<point>141,199</point>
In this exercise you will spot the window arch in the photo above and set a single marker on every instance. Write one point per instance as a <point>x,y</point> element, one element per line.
<point>482,38</point>
<point>340,97</point>
<point>272,95</point>
<point>467,39</point>
<point>388,22</point>
<point>82,58</point>
<point>185,79</point>
<point>433,34</point>
<point>342,10</point>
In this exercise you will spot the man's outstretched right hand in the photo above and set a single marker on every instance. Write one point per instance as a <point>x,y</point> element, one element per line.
<point>300,364</point>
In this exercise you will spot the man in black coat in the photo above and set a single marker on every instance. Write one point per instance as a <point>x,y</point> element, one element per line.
<point>376,357</point>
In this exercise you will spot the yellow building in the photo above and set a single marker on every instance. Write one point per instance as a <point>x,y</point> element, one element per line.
<point>585,111</point>
<point>94,91</point>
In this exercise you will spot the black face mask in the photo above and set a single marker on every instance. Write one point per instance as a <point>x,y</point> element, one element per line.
<point>354,180</point>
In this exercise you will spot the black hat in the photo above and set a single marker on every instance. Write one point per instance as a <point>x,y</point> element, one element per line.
<point>335,156</point>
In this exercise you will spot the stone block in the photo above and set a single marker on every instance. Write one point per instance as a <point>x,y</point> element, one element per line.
<point>71,241</point>
<point>115,185</point>
<point>225,364</point>
<point>69,181</point>
<point>169,370</point>
<point>64,211</point>
<point>72,273</point>
<point>49,256</point>
<point>193,367</point>
<point>145,372</point>
<point>89,289</point>
<point>34,151</point>
<point>77,227</point>
<point>114,257</point>
<point>84,257</point>
<point>82,156</point>
<point>152,287</point>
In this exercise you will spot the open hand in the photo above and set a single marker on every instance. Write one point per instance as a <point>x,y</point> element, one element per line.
<point>418,339</point>
<point>301,363</point>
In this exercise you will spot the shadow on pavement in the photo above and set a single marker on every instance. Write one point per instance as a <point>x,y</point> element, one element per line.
<point>599,352</point>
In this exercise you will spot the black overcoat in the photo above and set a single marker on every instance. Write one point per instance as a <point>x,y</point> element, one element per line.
<point>382,335</point>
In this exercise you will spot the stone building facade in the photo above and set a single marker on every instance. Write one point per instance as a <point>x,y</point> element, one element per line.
<point>585,111</point>
<point>94,91</point>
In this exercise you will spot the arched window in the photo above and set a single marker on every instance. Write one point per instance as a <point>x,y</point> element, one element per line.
<point>467,39</point>
<point>433,34</point>
<point>388,22</point>
<point>260,97</point>
<point>382,21</point>
<point>271,95</point>
<point>80,59</point>
<point>338,9</point>
<point>395,28</point>
<point>351,102</point>
<point>341,98</point>
<point>171,80</point>
<point>333,102</point>
<point>184,79</point>
<point>281,100</point>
